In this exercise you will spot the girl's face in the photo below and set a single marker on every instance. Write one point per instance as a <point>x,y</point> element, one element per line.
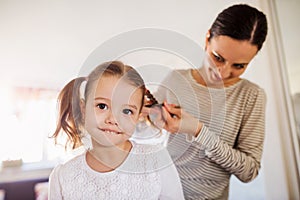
<point>112,110</point>
<point>230,57</point>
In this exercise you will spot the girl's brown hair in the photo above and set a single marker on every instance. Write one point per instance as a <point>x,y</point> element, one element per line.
<point>70,118</point>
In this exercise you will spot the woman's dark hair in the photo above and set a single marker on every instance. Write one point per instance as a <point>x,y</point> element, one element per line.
<point>241,22</point>
<point>70,119</point>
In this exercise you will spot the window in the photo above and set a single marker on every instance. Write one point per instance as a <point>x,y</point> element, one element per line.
<point>28,116</point>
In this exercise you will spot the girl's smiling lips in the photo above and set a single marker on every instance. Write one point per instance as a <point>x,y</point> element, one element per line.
<point>110,131</point>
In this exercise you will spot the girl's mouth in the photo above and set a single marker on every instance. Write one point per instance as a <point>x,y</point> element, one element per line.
<point>111,132</point>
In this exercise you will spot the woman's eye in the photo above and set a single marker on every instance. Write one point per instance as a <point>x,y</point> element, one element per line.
<point>218,58</point>
<point>239,66</point>
<point>127,111</point>
<point>102,106</point>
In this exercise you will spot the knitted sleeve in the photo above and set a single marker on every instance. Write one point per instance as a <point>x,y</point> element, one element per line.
<point>244,159</point>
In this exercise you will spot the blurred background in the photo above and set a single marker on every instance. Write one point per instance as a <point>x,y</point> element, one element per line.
<point>43,45</point>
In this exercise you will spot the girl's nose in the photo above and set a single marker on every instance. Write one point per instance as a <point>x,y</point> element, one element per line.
<point>110,119</point>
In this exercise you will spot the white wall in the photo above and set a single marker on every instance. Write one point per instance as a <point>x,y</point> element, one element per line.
<point>45,43</point>
<point>53,38</point>
<point>288,17</point>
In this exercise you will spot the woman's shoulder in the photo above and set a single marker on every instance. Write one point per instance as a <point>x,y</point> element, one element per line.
<point>249,86</point>
<point>181,72</point>
<point>249,90</point>
<point>178,76</point>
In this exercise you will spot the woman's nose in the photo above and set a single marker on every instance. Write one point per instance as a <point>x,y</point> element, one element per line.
<point>224,70</point>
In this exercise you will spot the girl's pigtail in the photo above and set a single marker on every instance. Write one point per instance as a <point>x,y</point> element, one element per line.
<point>70,118</point>
<point>149,99</point>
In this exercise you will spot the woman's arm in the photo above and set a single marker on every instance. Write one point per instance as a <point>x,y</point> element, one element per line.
<point>243,160</point>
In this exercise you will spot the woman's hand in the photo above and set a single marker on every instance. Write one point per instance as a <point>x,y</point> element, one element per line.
<point>176,120</point>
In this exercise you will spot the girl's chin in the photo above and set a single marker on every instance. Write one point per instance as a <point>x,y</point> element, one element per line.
<point>111,142</point>
<point>110,139</point>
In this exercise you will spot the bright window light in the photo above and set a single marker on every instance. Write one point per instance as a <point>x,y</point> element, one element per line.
<point>28,116</point>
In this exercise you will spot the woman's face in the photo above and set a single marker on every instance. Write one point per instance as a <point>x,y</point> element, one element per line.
<point>112,110</point>
<point>230,57</point>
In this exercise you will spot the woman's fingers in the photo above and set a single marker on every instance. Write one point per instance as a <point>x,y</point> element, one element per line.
<point>178,120</point>
<point>172,120</point>
<point>174,110</point>
<point>167,116</point>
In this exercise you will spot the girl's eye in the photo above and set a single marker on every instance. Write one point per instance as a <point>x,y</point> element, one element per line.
<point>102,106</point>
<point>127,111</point>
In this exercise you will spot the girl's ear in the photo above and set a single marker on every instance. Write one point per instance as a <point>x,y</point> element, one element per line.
<point>82,109</point>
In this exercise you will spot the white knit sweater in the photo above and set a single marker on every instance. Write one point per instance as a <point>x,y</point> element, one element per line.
<point>147,173</point>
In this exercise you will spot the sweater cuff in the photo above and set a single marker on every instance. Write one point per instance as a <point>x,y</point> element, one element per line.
<point>205,137</point>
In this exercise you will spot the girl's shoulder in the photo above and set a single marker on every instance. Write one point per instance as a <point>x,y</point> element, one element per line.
<point>76,162</point>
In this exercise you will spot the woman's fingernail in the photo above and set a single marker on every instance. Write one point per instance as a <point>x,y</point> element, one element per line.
<point>166,104</point>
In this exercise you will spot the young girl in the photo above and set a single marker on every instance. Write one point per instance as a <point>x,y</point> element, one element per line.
<point>114,167</point>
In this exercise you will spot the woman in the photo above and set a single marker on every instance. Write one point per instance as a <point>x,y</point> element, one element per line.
<point>221,116</point>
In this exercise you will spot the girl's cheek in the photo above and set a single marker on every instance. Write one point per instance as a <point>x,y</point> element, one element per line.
<point>128,125</point>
